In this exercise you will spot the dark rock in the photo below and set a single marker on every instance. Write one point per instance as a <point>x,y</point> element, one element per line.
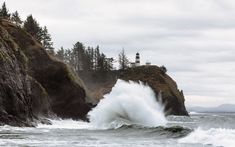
<point>151,75</point>
<point>33,84</point>
<point>15,96</point>
<point>159,82</point>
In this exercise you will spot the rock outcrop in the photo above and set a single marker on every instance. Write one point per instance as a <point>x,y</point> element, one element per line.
<point>16,95</point>
<point>32,83</point>
<point>155,77</point>
<point>161,83</point>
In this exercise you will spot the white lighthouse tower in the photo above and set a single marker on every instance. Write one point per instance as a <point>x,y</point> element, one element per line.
<point>137,59</point>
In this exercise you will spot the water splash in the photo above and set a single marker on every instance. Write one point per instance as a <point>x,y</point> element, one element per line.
<point>128,103</point>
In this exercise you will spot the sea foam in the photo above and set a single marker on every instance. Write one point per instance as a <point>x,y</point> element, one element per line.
<point>212,136</point>
<point>65,124</point>
<point>128,103</point>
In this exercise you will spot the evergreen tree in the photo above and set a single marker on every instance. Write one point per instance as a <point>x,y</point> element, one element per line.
<point>79,56</point>
<point>101,62</point>
<point>96,57</point>
<point>33,28</point>
<point>69,57</point>
<point>88,59</point>
<point>92,58</point>
<point>46,40</point>
<point>61,54</point>
<point>109,64</point>
<point>122,60</point>
<point>4,12</point>
<point>16,18</point>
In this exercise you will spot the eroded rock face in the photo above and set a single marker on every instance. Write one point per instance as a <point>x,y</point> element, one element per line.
<point>159,82</point>
<point>151,75</point>
<point>32,83</point>
<point>16,94</point>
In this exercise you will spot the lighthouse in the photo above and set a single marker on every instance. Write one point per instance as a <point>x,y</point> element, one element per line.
<point>137,59</point>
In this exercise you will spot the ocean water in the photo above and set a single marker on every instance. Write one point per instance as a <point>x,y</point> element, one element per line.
<point>128,116</point>
<point>198,130</point>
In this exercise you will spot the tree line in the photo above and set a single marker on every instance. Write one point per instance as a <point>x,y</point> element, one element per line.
<point>85,58</point>
<point>30,25</point>
<point>79,57</point>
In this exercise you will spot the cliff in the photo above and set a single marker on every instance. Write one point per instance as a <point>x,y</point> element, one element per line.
<point>172,98</point>
<point>32,83</point>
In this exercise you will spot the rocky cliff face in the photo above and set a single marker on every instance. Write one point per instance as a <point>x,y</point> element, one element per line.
<point>32,83</point>
<point>15,84</point>
<point>172,98</point>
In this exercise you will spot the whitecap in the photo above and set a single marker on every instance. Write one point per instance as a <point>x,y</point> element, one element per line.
<point>128,103</point>
<point>213,136</point>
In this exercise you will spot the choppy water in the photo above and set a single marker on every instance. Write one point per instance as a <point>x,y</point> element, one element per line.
<point>206,130</point>
<point>128,116</point>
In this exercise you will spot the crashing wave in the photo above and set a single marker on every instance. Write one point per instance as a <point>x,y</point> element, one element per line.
<point>128,103</point>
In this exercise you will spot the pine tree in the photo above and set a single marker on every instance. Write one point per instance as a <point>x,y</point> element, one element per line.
<point>101,62</point>
<point>109,64</point>
<point>61,54</point>
<point>123,61</point>
<point>16,18</point>
<point>79,56</point>
<point>69,57</point>
<point>33,28</point>
<point>89,58</point>
<point>96,57</point>
<point>46,40</point>
<point>4,12</point>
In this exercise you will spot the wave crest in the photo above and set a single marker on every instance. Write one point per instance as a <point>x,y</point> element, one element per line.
<point>128,103</point>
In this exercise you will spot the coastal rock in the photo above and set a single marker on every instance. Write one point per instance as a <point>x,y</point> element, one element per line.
<point>15,84</point>
<point>33,83</point>
<point>161,83</point>
<point>154,76</point>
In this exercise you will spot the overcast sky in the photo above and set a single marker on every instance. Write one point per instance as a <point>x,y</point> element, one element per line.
<point>194,39</point>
